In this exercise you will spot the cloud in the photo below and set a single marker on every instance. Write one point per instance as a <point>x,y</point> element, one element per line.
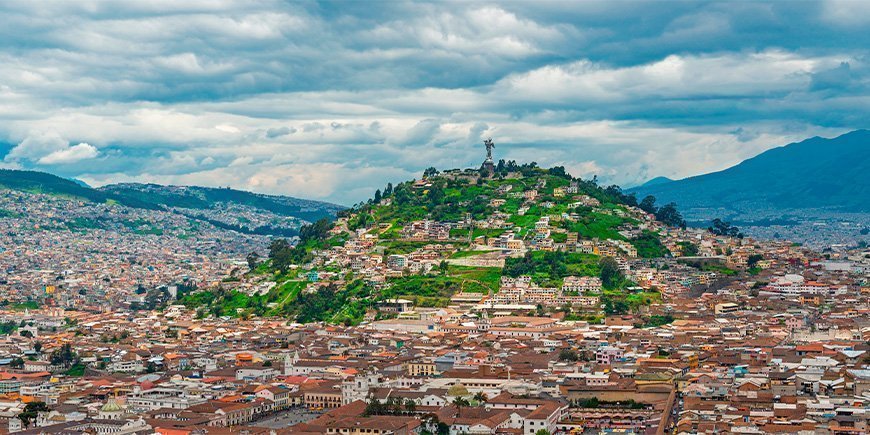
<point>49,148</point>
<point>309,99</point>
<point>279,131</point>
<point>73,154</point>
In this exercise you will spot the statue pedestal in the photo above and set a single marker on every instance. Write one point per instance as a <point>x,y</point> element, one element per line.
<point>488,168</point>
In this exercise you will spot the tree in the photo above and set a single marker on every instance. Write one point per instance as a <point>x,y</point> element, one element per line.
<point>568,355</point>
<point>64,356</point>
<point>17,363</point>
<point>281,254</point>
<point>722,228</point>
<point>754,259</point>
<point>253,258</point>
<point>480,397</point>
<point>374,407</point>
<point>443,266</point>
<point>648,204</point>
<point>410,406</point>
<point>37,346</point>
<point>430,172</point>
<point>436,196</point>
<point>377,198</point>
<point>669,215</point>
<point>542,432</point>
<point>614,306</point>
<point>688,249</point>
<point>460,402</point>
<point>31,411</point>
<point>276,246</point>
<point>611,275</point>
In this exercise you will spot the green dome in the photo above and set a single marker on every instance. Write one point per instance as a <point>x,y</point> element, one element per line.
<point>457,390</point>
<point>111,406</point>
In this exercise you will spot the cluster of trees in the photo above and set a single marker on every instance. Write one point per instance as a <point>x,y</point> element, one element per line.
<point>688,249</point>
<point>753,260</point>
<point>657,320</point>
<point>648,245</point>
<point>392,406</point>
<point>64,356</point>
<point>614,306</point>
<point>504,167</point>
<point>666,214</point>
<point>434,426</point>
<point>722,228</point>
<point>611,275</point>
<point>283,255</point>
<point>8,327</point>
<point>31,411</point>
<point>346,305</point>
<point>595,403</point>
<point>568,355</point>
<point>316,307</point>
<point>552,263</point>
<point>319,230</point>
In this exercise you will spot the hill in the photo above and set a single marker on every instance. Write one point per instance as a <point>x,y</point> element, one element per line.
<point>453,232</point>
<point>41,182</point>
<point>229,209</point>
<point>817,173</point>
<point>203,198</point>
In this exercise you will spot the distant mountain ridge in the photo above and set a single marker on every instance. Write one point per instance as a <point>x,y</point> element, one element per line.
<point>656,181</point>
<point>197,197</point>
<point>814,173</point>
<point>155,197</point>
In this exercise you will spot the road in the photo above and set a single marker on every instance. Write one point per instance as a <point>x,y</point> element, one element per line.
<point>287,418</point>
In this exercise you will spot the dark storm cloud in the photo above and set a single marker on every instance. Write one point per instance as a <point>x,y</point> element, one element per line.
<point>334,99</point>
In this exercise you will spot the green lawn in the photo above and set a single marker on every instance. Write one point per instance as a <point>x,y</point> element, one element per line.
<point>598,225</point>
<point>477,279</point>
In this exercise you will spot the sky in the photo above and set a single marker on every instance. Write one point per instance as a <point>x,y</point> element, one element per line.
<point>332,100</point>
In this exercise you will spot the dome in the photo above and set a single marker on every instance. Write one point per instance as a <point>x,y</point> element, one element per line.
<point>457,390</point>
<point>111,406</point>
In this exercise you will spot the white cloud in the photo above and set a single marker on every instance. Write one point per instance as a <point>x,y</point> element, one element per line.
<point>674,77</point>
<point>49,148</point>
<point>303,99</point>
<point>73,154</point>
<point>36,146</point>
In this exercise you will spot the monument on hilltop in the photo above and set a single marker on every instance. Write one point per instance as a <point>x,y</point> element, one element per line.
<point>488,166</point>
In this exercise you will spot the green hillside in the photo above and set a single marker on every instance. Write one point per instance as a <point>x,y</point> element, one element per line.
<point>195,197</point>
<point>44,183</point>
<point>470,211</point>
<point>192,202</point>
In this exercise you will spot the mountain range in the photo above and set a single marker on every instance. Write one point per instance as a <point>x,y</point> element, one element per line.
<point>814,174</point>
<point>159,197</point>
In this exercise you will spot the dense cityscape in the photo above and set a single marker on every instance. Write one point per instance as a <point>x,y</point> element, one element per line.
<point>510,299</point>
<point>418,217</point>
